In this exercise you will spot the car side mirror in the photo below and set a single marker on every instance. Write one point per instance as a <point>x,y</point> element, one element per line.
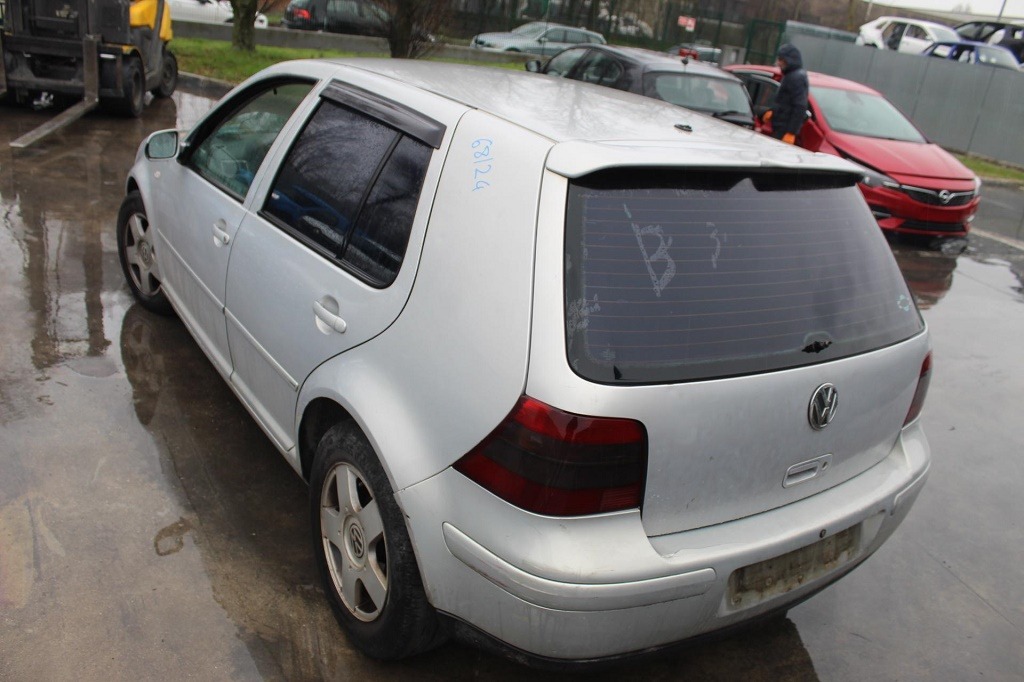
<point>542,40</point>
<point>533,66</point>
<point>162,145</point>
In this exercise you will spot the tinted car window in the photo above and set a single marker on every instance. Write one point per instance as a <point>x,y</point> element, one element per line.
<point>378,243</point>
<point>561,64</point>
<point>601,69</point>
<point>349,187</point>
<point>232,153</point>
<point>690,276</point>
<point>699,92</point>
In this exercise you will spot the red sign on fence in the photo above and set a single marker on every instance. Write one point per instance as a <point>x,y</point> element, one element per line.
<point>688,23</point>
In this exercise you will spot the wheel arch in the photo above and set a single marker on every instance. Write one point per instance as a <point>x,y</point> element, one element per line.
<point>317,418</point>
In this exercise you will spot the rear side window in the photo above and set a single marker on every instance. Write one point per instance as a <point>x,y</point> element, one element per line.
<point>349,188</point>
<point>678,277</point>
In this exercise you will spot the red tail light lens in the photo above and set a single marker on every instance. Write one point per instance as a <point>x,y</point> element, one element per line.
<point>552,462</point>
<point>302,14</point>
<point>922,390</point>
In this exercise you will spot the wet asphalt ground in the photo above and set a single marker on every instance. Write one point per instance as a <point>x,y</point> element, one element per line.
<point>148,529</point>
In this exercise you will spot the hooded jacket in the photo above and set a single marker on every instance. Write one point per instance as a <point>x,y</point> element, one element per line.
<point>790,106</point>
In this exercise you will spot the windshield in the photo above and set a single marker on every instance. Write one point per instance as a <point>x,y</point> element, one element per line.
<point>701,93</point>
<point>861,113</point>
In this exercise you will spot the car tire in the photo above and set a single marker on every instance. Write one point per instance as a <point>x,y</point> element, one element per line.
<point>136,252</point>
<point>363,551</point>
<point>168,75</point>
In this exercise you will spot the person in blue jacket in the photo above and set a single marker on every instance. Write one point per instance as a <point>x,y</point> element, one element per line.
<point>790,107</point>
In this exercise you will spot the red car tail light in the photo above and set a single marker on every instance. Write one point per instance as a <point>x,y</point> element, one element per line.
<point>302,14</point>
<point>922,390</point>
<point>552,462</point>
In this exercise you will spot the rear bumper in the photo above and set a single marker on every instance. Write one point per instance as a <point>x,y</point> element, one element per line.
<point>596,587</point>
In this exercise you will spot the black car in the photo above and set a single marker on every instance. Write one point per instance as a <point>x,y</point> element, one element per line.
<point>360,17</point>
<point>685,82</point>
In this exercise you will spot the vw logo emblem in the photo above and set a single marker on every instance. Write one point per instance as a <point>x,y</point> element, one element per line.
<point>945,195</point>
<point>824,403</point>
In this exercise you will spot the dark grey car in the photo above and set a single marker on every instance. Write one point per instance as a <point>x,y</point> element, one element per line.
<point>686,83</point>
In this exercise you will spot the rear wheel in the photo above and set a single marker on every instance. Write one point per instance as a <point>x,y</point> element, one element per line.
<point>168,75</point>
<point>363,551</point>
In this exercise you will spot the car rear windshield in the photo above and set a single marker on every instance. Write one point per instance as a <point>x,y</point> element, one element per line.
<point>682,276</point>
<point>702,93</point>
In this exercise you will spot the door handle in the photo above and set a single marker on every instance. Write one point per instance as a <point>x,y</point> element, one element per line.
<point>220,233</point>
<point>328,318</point>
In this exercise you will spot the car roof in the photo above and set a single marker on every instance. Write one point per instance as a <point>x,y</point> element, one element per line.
<point>918,22</point>
<point>814,78</point>
<point>593,126</point>
<point>650,61</point>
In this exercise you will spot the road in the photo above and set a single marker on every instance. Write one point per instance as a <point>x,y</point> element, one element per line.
<point>148,529</point>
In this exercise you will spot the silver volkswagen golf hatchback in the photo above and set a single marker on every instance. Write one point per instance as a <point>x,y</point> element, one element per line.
<point>570,371</point>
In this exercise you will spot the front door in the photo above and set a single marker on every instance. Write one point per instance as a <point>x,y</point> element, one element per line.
<point>200,203</point>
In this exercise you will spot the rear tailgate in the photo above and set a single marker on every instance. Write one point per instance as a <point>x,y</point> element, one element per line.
<point>711,306</point>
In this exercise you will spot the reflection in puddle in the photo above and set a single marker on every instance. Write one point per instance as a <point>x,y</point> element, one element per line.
<point>929,274</point>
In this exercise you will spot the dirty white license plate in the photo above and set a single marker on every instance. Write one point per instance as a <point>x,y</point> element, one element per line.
<point>759,582</point>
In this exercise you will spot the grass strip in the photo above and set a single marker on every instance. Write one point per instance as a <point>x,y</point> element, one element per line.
<point>989,170</point>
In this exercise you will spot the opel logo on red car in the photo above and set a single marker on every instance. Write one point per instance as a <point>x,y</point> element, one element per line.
<point>824,403</point>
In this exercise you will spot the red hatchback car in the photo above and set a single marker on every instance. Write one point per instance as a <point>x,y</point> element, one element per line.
<point>913,186</point>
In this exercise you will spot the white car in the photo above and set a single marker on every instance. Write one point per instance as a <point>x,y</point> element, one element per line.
<point>208,12</point>
<point>577,388</point>
<point>904,35</point>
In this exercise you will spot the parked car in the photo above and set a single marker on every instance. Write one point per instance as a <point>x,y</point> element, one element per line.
<point>537,37</point>
<point>357,17</point>
<point>208,12</point>
<point>578,388</point>
<point>1008,35</point>
<point>912,186</point>
<point>629,25</point>
<point>690,84</point>
<point>904,35</point>
<point>705,53</point>
<point>970,52</point>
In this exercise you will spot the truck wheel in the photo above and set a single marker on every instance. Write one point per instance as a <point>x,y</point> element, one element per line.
<point>363,551</point>
<point>138,259</point>
<point>168,75</point>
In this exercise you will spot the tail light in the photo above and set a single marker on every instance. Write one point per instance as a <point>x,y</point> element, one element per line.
<point>552,462</point>
<point>922,390</point>
<point>302,14</point>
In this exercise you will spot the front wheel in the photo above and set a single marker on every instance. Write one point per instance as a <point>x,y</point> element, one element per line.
<point>135,249</point>
<point>133,97</point>
<point>363,551</point>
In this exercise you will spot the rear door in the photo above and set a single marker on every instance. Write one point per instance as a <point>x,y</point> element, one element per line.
<point>328,261</point>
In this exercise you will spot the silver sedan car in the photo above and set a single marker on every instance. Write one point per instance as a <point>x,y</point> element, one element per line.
<point>575,388</point>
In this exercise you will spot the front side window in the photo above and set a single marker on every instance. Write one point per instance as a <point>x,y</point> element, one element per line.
<point>683,276</point>
<point>349,189</point>
<point>561,64</point>
<point>230,155</point>
<point>601,69</point>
